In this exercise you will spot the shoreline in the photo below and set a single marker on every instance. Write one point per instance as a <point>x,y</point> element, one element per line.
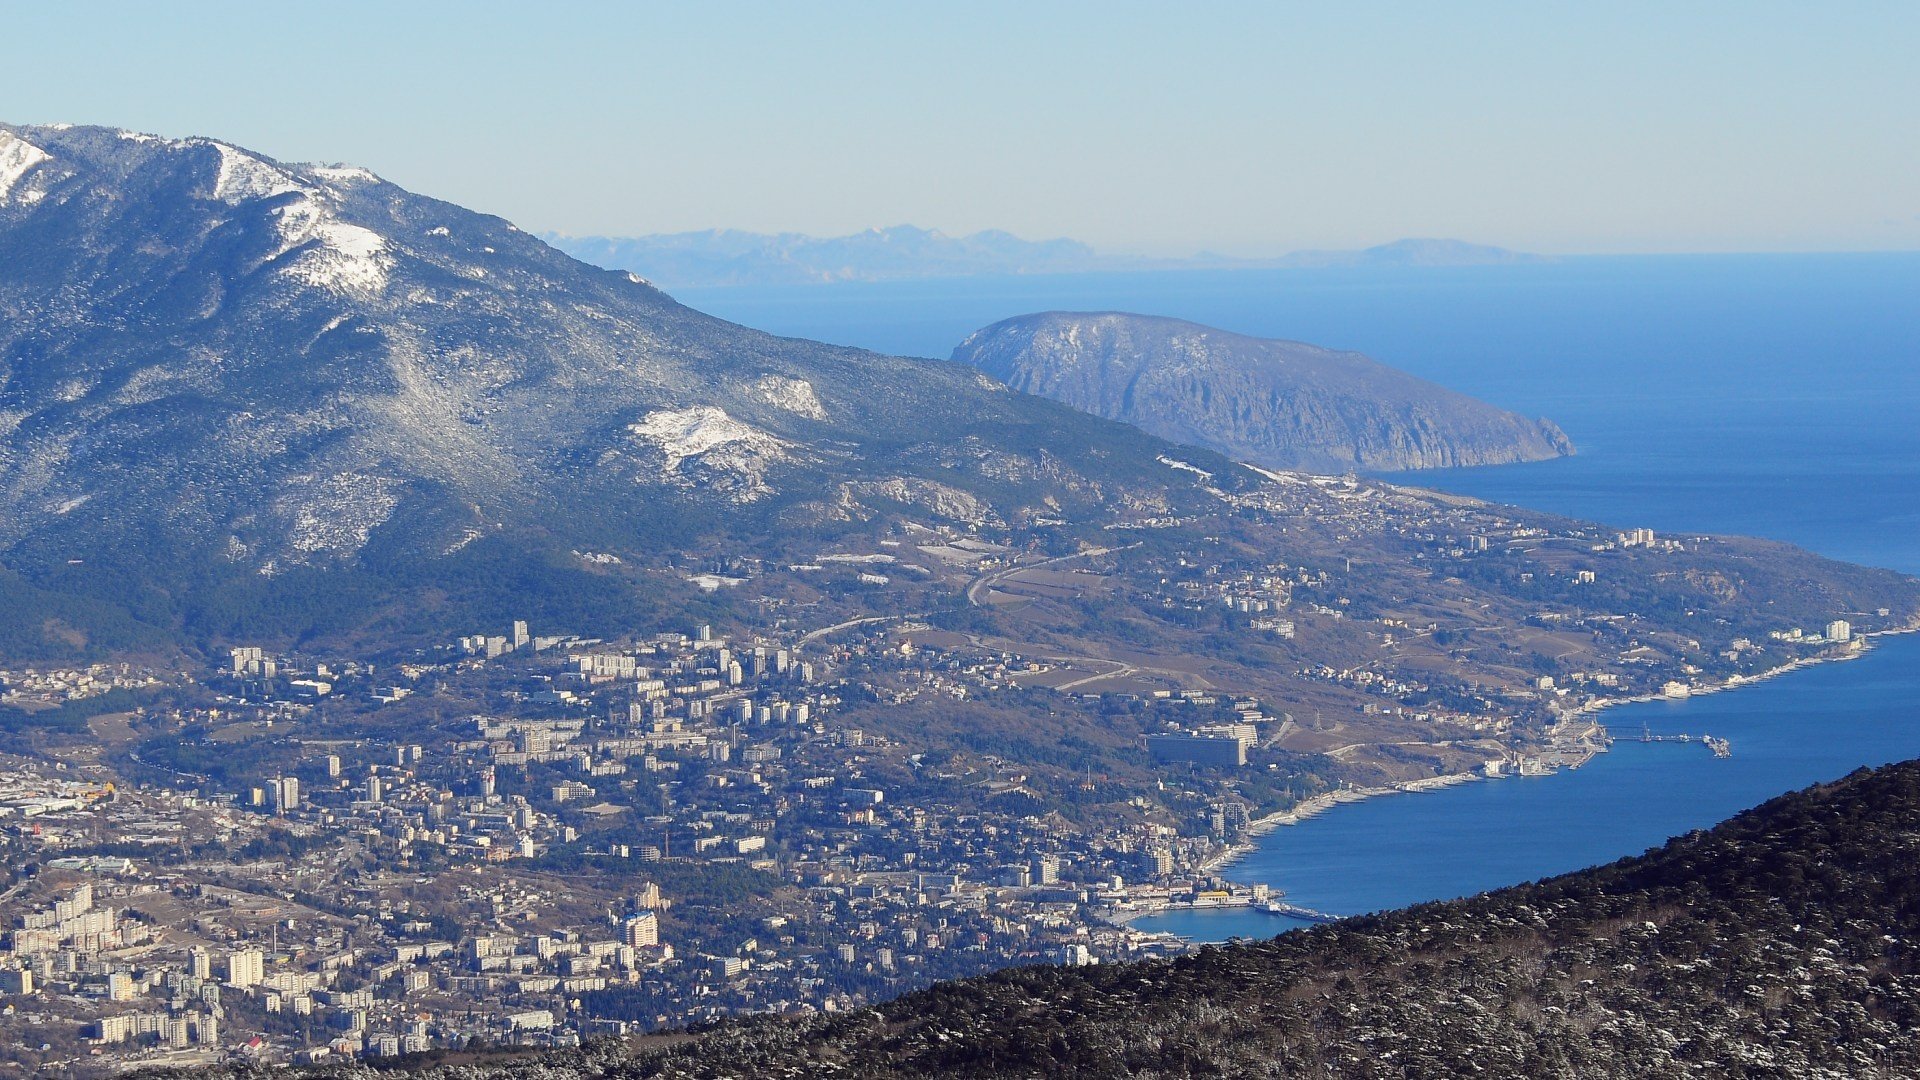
<point>1308,809</point>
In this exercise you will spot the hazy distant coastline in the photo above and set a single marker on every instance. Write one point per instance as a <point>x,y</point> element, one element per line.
<point>726,257</point>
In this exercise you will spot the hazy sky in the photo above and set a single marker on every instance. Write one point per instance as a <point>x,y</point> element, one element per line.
<point>1242,128</point>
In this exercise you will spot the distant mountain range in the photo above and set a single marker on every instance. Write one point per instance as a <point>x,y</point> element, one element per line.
<point>1281,404</point>
<point>719,257</point>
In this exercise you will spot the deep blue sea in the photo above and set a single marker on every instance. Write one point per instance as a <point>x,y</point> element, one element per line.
<point>1774,396</point>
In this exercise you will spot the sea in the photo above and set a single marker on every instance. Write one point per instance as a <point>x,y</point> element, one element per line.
<point>1766,395</point>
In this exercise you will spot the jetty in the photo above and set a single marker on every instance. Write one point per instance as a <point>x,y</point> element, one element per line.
<point>1721,748</point>
<point>1281,907</point>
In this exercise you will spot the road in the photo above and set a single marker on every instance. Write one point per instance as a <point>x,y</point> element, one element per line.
<point>976,596</point>
<point>812,636</point>
<point>977,590</point>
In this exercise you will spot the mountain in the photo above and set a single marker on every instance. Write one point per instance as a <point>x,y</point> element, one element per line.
<point>723,257</point>
<point>1281,404</point>
<point>1412,252</point>
<point>1777,944</point>
<point>229,384</point>
<point>731,257</point>
<point>245,401</point>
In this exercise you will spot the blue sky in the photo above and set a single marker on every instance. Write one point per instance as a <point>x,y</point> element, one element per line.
<point>1240,128</point>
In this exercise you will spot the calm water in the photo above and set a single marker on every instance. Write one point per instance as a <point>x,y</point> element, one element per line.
<point>1774,396</point>
<point>1816,724</point>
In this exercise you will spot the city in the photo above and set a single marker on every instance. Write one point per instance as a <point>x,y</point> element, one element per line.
<point>532,839</point>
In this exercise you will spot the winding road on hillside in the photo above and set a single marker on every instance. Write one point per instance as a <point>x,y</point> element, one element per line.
<point>977,590</point>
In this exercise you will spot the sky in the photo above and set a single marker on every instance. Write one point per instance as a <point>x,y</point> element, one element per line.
<point>1245,129</point>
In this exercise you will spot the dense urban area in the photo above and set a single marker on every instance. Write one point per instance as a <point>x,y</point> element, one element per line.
<point>526,837</point>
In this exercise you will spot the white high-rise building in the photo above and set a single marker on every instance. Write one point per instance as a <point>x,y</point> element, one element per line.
<point>246,968</point>
<point>285,793</point>
<point>1077,956</point>
<point>1839,630</point>
<point>643,929</point>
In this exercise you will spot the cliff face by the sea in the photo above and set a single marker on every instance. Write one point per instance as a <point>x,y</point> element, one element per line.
<point>1281,404</point>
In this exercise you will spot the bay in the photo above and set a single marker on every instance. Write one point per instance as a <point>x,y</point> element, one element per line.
<point>1802,728</point>
<point>1774,396</point>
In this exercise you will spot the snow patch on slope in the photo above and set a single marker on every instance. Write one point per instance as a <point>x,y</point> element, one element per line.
<point>1184,466</point>
<point>939,499</point>
<point>343,173</point>
<point>337,255</point>
<point>704,448</point>
<point>793,395</point>
<point>17,158</point>
<point>157,381</point>
<point>686,433</point>
<point>1277,475</point>
<point>244,177</point>
<point>334,515</point>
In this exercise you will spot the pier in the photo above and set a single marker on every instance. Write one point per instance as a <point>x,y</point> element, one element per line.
<point>1721,748</point>
<point>1281,907</point>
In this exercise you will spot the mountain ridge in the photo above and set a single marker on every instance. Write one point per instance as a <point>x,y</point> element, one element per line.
<point>217,359</point>
<point>713,258</point>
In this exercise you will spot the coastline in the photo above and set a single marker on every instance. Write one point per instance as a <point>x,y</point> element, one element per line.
<point>1308,809</point>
